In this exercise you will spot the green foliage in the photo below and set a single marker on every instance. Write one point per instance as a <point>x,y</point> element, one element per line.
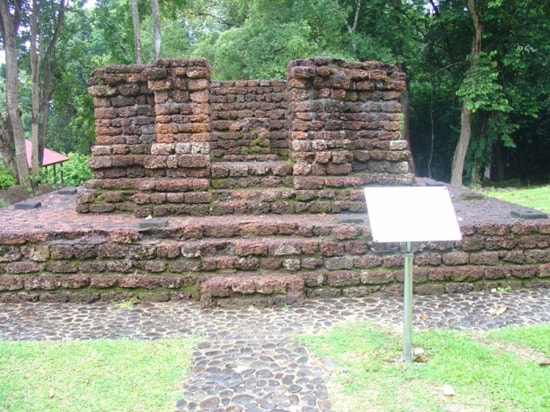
<point>82,48</point>
<point>505,88</point>
<point>76,170</point>
<point>6,178</point>
<point>480,88</point>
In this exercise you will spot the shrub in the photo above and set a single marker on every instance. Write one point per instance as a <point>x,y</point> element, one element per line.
<point>76,170</point>
<point>6,178</point>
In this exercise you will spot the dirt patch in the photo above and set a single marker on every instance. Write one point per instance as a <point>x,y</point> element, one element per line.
<point>522,352</point>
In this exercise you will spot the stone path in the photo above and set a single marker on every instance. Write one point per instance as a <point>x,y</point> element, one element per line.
<point>246,360</point>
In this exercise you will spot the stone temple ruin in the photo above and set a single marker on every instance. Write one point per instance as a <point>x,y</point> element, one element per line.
<point>250,192</point>
<point>172,142</point>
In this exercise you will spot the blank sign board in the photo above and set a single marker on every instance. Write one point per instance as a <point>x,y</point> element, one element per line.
<point>411,214</point>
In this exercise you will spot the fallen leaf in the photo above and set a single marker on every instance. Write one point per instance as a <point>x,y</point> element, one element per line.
<point>498,311</point>
<point>448,390</point>
<point>419,355</point>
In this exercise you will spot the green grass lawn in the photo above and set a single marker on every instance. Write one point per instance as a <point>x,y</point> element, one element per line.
<point>481,371</point>
<point>93,375</point>
<point>533,197</point>
<point>499,370</point>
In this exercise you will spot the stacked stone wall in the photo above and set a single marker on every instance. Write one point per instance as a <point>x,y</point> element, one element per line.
<point>249,120</point>
<point>125,131</point>
<point>269,261</point>
<point>305,145</point>
<point>345,124</point>
<point>287,160</point>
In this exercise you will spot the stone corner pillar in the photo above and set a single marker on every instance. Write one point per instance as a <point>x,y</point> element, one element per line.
<point>345,120</point>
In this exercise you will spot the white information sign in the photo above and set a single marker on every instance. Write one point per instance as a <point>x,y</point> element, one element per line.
<point>411,214</point>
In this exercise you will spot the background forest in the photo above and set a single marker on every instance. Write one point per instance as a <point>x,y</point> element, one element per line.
<point>477,105</point>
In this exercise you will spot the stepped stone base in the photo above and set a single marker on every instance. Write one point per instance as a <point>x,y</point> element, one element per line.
<point>244,187</point>
<point>52,253</point>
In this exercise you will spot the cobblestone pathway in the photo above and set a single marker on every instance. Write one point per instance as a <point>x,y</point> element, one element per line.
<point>246,360</point>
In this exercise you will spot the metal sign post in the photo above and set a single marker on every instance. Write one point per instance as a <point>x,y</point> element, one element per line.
<point>411,214</point>
<point>408,304</point>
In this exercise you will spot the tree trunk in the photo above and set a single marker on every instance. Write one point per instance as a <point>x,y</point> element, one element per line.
<point>12,91</point>
<point>432,125</point>
<point>36,155</point>
<point>500,160</point>
<point>457,168</point>
<point>462,146</point>
<point>156,29</point>
<point>406,110</point>
<point>351,27</point>
<point>42,45</point>
<point>6,143</point>
<point>137,30</point>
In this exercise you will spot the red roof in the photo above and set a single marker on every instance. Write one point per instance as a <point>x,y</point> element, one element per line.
<point>50,157</point>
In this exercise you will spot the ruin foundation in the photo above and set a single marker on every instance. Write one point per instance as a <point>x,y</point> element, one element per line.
<point>250,192</point>
<point>172,142</point>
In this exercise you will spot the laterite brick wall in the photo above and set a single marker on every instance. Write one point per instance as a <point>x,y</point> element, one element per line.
<point>262,261</point>
<point>172,142</point>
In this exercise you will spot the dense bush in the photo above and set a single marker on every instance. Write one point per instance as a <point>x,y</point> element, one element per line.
<point>6,178</point>
<point>76,170</point>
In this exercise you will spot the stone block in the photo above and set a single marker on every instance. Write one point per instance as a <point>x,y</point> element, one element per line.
<point>377,277</point>
<point>528,214</point>
<point>103,282</point>
<point>120,266</point>
<point>74,281</point>
<point>61,267</point>
<point>343,279</point>
<point>22,267</point>
<point>43,282</point>
<point>456,258</point>
<point>498,272</point>
<point>459,287</point>
<point>139,281</point>
<point>11,283</point>
<point>28,205</point>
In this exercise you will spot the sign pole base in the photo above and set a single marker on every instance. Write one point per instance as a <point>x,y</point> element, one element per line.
<point>408,304</point>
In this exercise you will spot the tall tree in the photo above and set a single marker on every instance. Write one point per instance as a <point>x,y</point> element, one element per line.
<point>457,167</point>
<point>155,11</point>
<point>156,29</point>
<point>46,23</point>
<point>30,29</point>
<point>137,30</point>
<point>502,82</point>
<point>11,18</point>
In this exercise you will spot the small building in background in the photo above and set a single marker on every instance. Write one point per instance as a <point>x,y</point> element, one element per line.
<point>50,160</point>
